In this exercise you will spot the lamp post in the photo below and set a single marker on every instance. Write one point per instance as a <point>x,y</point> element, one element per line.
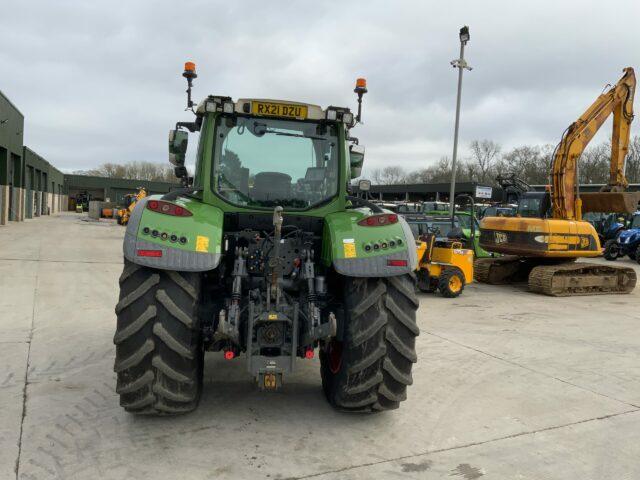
<point>461,65</point>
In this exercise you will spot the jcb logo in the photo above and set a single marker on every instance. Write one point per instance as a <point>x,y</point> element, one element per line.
<point>500,237</point>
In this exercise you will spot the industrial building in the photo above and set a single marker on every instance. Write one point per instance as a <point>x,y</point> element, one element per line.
<point>109,189</point>
<point>30,186</point>
<point>422,192</point>
<point>11,139</point>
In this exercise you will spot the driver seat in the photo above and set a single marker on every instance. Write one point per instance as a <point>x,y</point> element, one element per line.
<point>271,186</point>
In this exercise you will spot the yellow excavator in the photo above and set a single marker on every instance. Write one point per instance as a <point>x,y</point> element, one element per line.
<point>130,200</point>
<point>548,234</point>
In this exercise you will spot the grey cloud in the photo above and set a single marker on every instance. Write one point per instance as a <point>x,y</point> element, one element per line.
<point>100,81</point>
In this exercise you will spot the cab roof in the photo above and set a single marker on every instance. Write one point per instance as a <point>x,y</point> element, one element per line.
<point>244,106</point>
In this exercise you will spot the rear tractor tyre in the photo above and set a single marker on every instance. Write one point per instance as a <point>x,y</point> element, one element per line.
<point>611,250</point>
<point>370,369</point>
<point>451,283</point>
<point>159,354</point>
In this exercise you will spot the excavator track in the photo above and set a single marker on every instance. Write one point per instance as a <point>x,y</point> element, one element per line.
<point>569,279</point>
<point>500,270</point>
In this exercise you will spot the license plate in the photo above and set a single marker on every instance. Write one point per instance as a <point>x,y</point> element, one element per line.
<point>298,112</point>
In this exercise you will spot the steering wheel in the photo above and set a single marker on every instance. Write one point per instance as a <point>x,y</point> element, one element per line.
<point>434,230</point>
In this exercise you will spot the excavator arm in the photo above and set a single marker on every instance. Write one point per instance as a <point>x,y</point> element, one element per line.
<point>565,202</point>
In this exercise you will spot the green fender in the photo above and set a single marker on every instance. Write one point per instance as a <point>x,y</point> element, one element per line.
<point>351,248</point>
<point>201,235</point>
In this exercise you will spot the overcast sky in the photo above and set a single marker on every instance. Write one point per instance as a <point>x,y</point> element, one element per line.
<point>100,81</point>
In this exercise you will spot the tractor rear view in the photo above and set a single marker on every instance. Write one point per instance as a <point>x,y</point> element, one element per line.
<point>265,257</point>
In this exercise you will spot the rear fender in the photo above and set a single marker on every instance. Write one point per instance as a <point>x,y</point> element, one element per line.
<point>202,231</point>
<point>344,243</point>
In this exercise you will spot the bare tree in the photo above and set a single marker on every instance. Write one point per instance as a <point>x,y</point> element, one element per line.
<point>484,154</point>
<point>633,160</point>
<point>391,175</point>
<point>135,170</point>
<point>529,163</point>
<point>440,172</point>
<point>594,164</point>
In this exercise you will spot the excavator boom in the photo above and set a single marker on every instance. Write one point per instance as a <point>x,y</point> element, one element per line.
<point>565,202</point>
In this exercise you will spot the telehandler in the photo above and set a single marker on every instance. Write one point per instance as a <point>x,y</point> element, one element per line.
<point>265,256</point>
<point>130,201</point>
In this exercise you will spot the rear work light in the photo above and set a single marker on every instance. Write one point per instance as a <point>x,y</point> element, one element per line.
<point>149,253</point>
<point>377,220</point>
<point>168,208</point>
<point>396,263</point>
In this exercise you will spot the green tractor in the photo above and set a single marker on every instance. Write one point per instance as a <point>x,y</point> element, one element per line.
<point>266,257</point>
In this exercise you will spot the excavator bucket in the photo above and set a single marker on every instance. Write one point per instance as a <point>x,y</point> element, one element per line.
<point>613,202</point>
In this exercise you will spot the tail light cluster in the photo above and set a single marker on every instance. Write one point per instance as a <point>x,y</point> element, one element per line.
<point>168,208</point>
<point>378,220</point>
<point>149,253</point>
<point>396,263</point>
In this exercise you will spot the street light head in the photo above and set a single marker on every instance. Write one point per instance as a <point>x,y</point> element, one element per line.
<point>464,34</point>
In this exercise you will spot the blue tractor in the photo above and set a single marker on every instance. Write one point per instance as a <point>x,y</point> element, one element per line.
<point>627,242</point>
<point>608,225</point>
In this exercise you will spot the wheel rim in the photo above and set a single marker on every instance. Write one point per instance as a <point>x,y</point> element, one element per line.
<point>334,354</point>
<point>455,283</point>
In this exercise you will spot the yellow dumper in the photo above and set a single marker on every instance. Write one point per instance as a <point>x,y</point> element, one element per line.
<point>443,265</point>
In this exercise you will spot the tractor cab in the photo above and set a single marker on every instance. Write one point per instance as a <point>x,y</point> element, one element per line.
<point>439,226</point>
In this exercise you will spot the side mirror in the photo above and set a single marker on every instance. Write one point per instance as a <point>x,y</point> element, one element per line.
<point>364,185</point>
<point>178,140</point>
<point>356,159</point>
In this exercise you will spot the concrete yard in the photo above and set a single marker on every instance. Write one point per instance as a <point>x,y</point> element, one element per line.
<point>509,385</point>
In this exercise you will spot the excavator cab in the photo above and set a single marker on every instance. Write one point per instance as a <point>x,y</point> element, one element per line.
<point>534,205</point>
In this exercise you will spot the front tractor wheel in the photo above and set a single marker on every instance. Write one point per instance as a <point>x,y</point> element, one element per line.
<point>370,369</point>
<point>159,354</point>
<point>611,250</point>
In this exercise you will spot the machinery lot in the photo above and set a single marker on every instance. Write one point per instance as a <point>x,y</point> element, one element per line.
<point>507,385</point>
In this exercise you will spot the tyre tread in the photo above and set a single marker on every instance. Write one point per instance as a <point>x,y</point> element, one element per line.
<point>158,345</point>
<point>379,345</point>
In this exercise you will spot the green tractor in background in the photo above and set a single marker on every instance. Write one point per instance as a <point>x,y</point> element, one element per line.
<point>468,224</point>
<point>265,256</point>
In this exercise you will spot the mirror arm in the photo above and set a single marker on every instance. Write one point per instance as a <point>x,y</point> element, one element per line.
<point>182,173</point>
<point>191,126</point>
<point>361,201</point>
